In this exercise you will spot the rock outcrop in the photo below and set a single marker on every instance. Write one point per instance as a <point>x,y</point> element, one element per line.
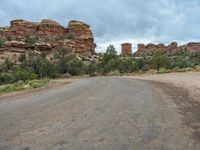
<point>126,49</point>
<point>50,28</point>
<point>171,48</point>
<point>47,36</point>
<point>22,28</point>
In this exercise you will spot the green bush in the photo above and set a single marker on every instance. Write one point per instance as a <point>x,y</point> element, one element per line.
<point>76,67</point>
<point>142,64</point>
<point>31,40</point>
<point>163,70</point>
<point>71,37</point>
<point>177,69</point>
<point>38,83</point>
<point>47,69</point>
<point>159,60</point>
<point>91,68</point>
<point>21,85</point>
<point>8,88</point>
<point>6,78</point>
<point>127,65</point>
<point>113,73</point>
<point>22,74</point>
<point>2,42</point>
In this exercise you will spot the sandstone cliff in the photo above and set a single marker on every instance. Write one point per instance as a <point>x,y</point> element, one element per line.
<point>47,36</point>
<point>171,48</point>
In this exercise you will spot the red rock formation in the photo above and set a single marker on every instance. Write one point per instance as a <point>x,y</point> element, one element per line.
<point>22,27</point>
<point>47,36</point>
<point>82,32</point>
<point>171,48</point>
<point>18,44</point>
<point>126,49</point>
<point>192,47</point>
<point>50,28</point>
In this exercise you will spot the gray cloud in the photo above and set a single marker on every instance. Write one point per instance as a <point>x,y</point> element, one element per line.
<point>115,20</point>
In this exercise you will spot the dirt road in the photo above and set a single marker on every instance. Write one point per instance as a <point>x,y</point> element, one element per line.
<point>106,113</point>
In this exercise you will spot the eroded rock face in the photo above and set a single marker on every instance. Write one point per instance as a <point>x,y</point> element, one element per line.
<point>50,28</point>
<point>22,27</point>
<point>126,49</point>
<point>43,46</point>
<point>18,44</point>
<point>171,48</point>
<point>192,46</point>
<point>47,36</point>
<point>82,32</point>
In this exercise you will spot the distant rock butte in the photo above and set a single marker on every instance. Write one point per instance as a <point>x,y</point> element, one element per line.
<point>126,49</point>
<point>171,48</point>
<point>47,36</point>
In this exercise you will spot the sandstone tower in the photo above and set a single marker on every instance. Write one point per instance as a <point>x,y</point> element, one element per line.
<point>126,49</point>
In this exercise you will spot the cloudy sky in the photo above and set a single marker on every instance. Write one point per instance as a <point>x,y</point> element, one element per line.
<point>116,21</point>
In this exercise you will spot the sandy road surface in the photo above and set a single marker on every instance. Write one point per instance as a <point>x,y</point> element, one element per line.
<point>190,81</point>
<point>96,113</point>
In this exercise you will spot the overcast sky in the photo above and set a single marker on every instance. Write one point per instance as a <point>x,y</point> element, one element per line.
<point>116,21</point>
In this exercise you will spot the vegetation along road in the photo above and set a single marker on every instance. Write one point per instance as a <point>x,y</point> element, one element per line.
<point>97,113</point>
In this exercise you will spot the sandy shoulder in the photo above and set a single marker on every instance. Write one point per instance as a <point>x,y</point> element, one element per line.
<point>184,90</point>
<point>189,81</point>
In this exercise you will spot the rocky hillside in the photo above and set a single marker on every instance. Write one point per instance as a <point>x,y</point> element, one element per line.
<point>171,48</point>
<point>47,36</point>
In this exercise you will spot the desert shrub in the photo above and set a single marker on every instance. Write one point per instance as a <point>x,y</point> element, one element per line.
<point>63,59</point>
<point>142,64</point>
<point>10,38</point>
<point>65,75</point>
<point>91,68</point>
<point>21,85</point>
<point>71,37</point>
<point>38,83</point>
<point>8,88</point>
<point>11,88</point>
<point>181,62</point>
<point>159,60</point>
<point>6,78</point>
<point>76,67</point>
<point>7,66</point>
<point>163,70</point>
<point>109,61</point>
<point>31,40</point>
<point>127,65</point>
<point>47,69</point>
<point>23,74</point>
<point>22,58</point>
<point>2,42</point>
<point>177,69</point>
<point>113,73</point>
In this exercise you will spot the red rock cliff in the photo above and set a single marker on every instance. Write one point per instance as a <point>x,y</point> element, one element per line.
<point>171,48</point>
<point>47,36</point>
